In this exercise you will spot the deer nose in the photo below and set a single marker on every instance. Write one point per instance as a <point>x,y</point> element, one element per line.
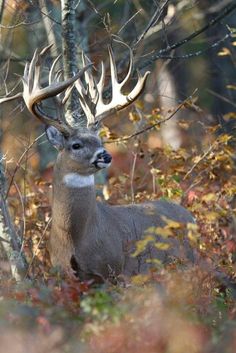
<point>105,156</point>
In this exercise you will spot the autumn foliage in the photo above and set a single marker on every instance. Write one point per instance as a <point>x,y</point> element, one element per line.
<point>175,308</point>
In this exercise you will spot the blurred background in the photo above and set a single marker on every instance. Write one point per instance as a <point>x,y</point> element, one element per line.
<point>189,46</point>
<point>204,64</point>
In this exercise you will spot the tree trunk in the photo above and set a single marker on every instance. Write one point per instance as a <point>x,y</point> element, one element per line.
<point>69,52</point>
<point>11,247</point>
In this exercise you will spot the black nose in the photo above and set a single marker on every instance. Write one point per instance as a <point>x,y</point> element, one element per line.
<point>105,156</point>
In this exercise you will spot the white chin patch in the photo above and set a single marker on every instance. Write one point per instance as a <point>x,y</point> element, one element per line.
<point>75,180</point>
<point>103,165</point>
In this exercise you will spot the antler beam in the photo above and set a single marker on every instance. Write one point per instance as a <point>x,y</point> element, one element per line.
<point>33,94</point>
<point>90,95</point>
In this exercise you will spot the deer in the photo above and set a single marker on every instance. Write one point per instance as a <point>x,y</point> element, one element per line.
<point>92,238</point>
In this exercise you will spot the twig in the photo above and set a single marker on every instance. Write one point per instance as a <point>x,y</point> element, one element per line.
<point>155,18</point>
<point>100,16</point>
<point>40,241</point>
<point>226,11</point>
<point>23,211</point>
<point>18,164</point>
<point>199,161</point>
<point>199,52</point>
<point>19,25</point>
<point>132,176</point>
<point>125,138</point>
<point>221,97</point>
<point>129,20</point>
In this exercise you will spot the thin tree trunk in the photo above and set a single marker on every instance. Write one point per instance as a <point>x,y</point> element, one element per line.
<point>69,52</point>
<point>2,5</point>
<point>9,239</point>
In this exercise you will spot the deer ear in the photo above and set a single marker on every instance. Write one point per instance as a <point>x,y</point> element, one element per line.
<point>55,137</point>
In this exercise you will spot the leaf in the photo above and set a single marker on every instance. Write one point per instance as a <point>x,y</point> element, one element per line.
<point>231,87</point>
<point>171,223</point>
<point>139,280</point>
<point>209,197</point>
<point>224,52</point>
<point>197,159</point>
<point>142,244</point>
<point>164,232</point>
<point>154,261</point>
<point>134,117</point>
<point>225,138</point>
<point>212,216</point>
<point>162,246</point>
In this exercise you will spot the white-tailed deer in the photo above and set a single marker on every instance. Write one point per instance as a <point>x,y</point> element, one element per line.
<point>94,238</point>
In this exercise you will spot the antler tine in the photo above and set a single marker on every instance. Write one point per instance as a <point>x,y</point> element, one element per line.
<point>33,94</point>
<point>91,97</point>
<point>55,77</point>
<point>119,100</point>
<point>51,71</point>
<point>88,95</point>
<point>85,101</point>
<point>7,99</point>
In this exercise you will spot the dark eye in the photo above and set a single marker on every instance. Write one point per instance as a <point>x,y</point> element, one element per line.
<point>76,146</point>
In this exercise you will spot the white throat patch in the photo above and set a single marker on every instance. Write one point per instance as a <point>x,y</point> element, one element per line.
<point>74,180</point>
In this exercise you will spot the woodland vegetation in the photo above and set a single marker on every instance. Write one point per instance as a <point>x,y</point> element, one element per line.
<point>176,142</point>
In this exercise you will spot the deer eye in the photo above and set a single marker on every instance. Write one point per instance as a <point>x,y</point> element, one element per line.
<point>76,146</point>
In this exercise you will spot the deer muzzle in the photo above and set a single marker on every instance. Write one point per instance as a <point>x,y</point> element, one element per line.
<point>103,160</point>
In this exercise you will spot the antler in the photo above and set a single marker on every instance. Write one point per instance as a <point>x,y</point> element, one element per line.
<point>33,94</point>
<point>91,98</point>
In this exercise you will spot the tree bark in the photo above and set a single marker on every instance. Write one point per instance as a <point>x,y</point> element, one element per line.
<point>10,245</point>
<point>2,4</point>
<point>69,53</point>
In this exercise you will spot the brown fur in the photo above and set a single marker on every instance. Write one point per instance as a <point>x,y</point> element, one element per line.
<point>98,238</point>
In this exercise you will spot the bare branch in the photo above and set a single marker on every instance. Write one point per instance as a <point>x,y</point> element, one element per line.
<point>155,19</point>
<point>129,20</point>
<point>225,12</point>
<point>148,128</point>
<point>20,24</point>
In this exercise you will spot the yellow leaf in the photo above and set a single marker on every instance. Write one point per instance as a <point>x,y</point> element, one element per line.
<point>154,261</point>
<point>162,246</point>
<point>139,280</point>
<point>141,244</point>
<point>212,216</point>
<point>134,117</point>
<point>209,197</point>
<point>224,138</point>
<point>224,52</point>
<point>151,230</point>
<point>197,159</point>
<point>192,226</point>
<point>231,87</point>
<point>172,224</point>
<point>164,232</point>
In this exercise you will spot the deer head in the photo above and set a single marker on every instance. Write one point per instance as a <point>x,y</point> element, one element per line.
<point>79,144</point>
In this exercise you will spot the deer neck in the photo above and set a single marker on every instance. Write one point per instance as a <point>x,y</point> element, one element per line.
<point>74,200</point>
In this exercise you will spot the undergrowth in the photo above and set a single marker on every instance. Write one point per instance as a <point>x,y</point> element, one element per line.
<point>174,308</point>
